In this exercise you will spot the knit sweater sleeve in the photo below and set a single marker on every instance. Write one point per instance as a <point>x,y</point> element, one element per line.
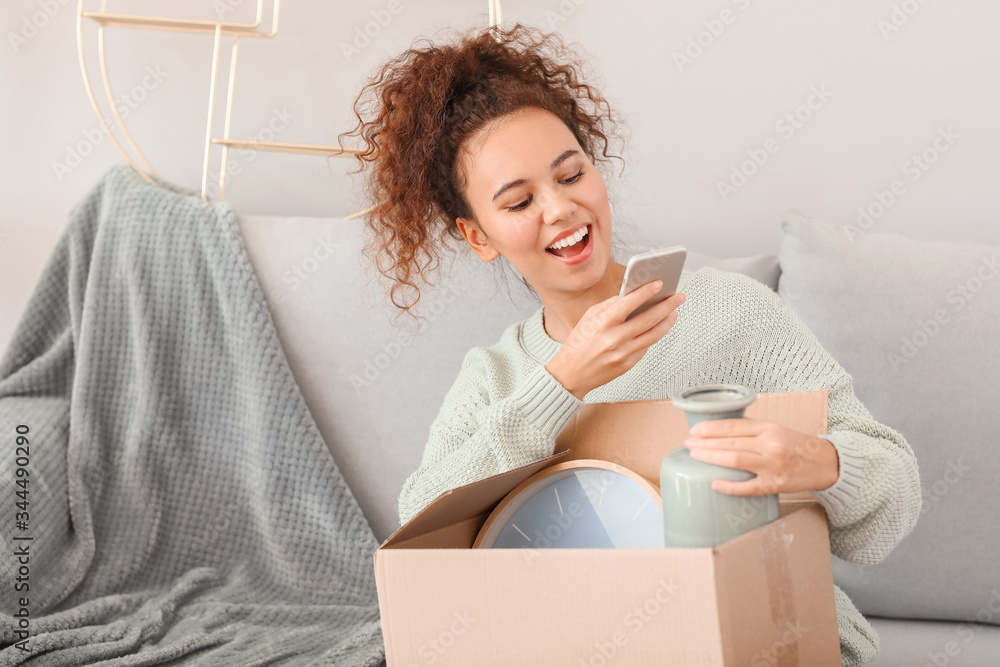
<point>876,499</point>
<point>492,420</point>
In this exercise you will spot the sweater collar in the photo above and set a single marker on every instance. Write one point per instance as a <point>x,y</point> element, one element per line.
<point>536,341</point>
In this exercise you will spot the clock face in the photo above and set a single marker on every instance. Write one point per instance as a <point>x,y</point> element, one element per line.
<point>583,503</point>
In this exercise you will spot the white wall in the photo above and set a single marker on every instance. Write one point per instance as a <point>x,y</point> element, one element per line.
<point>892,87</point>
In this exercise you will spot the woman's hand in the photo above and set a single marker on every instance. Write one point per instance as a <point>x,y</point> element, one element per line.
<point>784,459</point>
<point>603,346</point>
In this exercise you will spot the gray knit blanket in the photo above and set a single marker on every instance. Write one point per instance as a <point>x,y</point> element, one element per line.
<point>165,495</point>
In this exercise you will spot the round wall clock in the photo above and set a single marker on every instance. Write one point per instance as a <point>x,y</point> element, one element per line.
<point>584,503</point>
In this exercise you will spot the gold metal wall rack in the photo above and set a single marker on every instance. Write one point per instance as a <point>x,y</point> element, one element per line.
<point>105,19</point>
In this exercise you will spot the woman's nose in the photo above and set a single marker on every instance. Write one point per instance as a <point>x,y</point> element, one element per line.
<point>556,206</point>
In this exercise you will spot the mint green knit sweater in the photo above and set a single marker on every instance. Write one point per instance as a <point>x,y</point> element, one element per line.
<point>505,411</point>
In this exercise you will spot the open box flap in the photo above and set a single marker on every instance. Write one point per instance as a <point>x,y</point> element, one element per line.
<point>467,501</point>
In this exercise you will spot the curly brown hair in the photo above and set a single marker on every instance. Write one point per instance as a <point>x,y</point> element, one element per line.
<point>424,104</point>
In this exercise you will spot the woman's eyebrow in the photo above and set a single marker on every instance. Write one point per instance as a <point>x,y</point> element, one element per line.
<point>555,163</point>
<point>562,157</point>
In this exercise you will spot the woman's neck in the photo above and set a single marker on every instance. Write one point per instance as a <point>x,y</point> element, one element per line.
<point>560,316</point>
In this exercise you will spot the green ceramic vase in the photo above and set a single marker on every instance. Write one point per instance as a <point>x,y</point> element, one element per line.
<point>695,515</point>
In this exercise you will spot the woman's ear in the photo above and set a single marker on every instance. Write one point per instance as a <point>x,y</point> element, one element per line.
<point>476,239</point>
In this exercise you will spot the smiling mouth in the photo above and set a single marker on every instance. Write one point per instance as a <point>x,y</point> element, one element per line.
<point>575,249</point>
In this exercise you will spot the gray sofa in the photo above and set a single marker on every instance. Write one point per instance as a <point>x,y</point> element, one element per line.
<point>916,323</point>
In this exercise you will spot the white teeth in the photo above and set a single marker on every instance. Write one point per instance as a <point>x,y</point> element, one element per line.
<point>570,240</point>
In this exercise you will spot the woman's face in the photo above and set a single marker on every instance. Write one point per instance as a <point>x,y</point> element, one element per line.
<point>528,182</point>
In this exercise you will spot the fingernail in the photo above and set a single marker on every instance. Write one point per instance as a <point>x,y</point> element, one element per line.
<point>657,285</point>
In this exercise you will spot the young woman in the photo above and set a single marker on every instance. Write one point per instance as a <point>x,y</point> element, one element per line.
<point>495,143</point>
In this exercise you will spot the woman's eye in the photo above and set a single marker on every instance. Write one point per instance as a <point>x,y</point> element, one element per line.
<point>523,205</point>
<point>518,207</point>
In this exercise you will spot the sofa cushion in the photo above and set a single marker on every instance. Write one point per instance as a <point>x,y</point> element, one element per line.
<point>911,643</point>
<point>762,268</point>
<point>916,323</point>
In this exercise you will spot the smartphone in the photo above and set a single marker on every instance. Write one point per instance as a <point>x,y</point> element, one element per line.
<point>664,264</point>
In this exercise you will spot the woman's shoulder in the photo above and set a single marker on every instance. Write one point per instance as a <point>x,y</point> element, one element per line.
<point>724,277</point>
<point>723,300</point>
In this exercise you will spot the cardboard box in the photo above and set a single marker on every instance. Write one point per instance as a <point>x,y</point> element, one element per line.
<point>762,599</point>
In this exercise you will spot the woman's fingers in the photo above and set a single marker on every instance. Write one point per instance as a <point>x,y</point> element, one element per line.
<point>650,336</point>
<point>650,318</point>
<point>637,297</point>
